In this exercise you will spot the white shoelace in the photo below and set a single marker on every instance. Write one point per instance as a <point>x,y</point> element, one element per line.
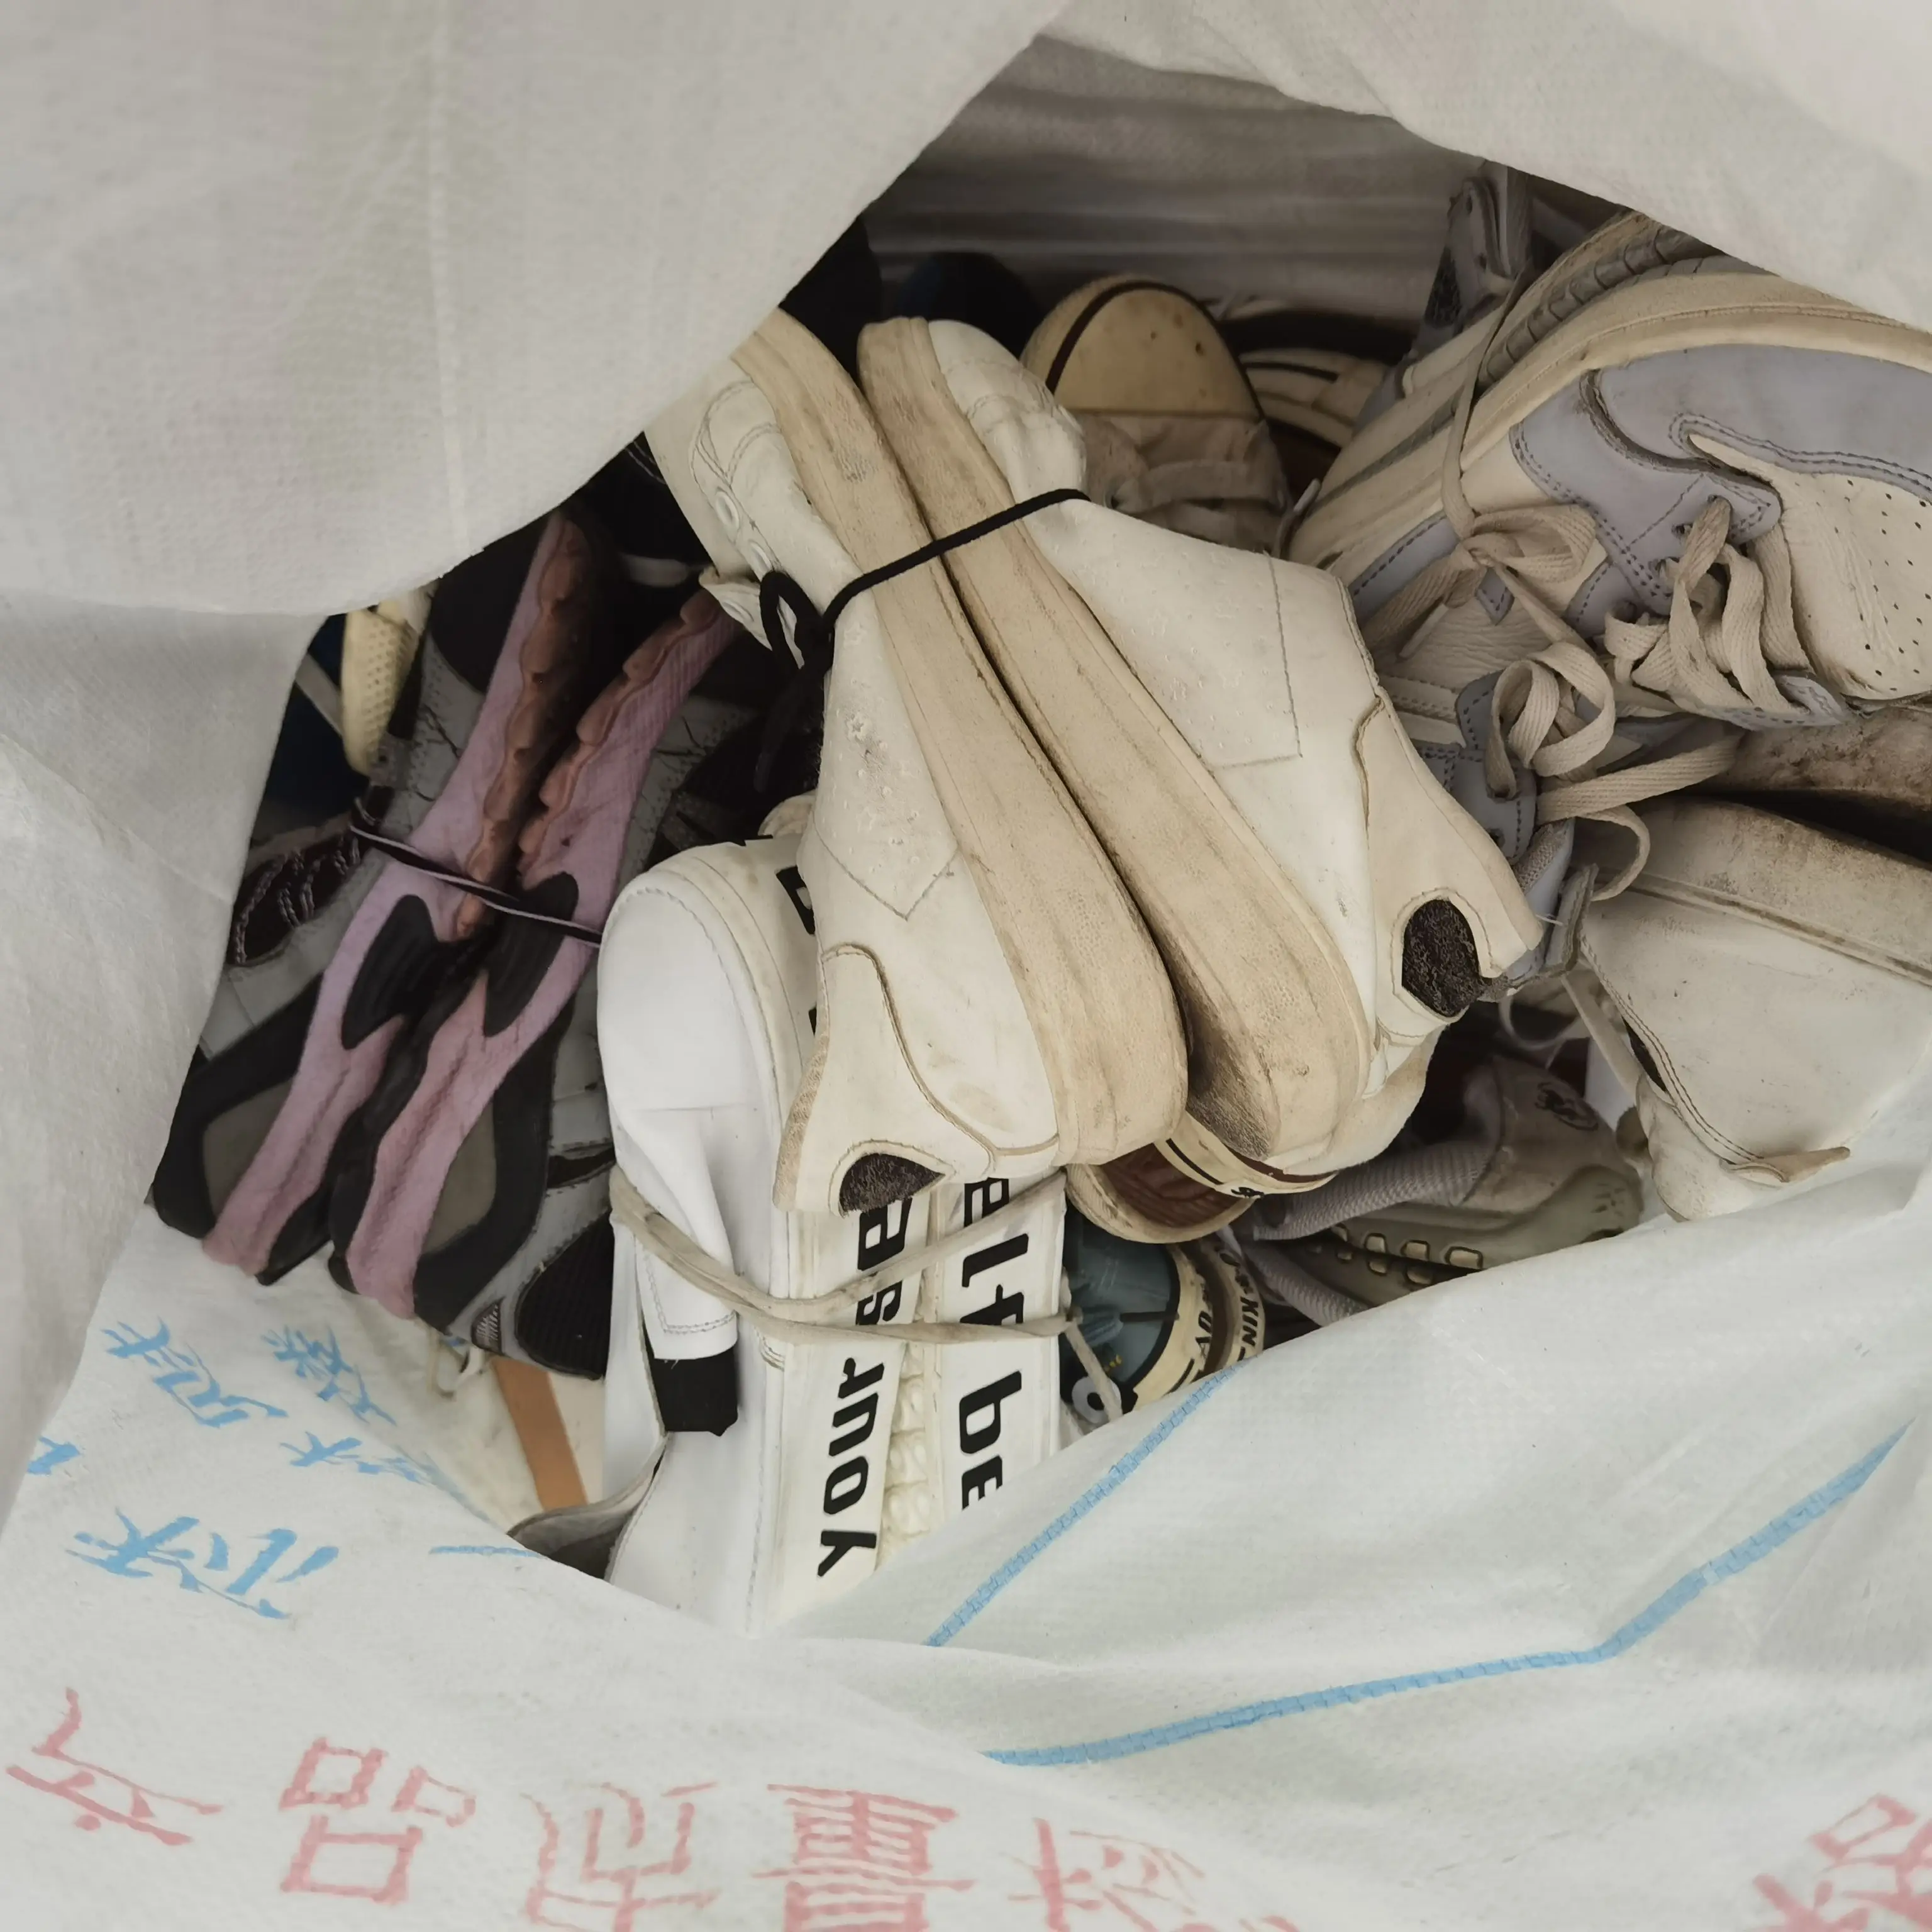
<point>1713,656</point>
<point>1716,653</point>
<point>1223,498</point>
<point>823,1318</point>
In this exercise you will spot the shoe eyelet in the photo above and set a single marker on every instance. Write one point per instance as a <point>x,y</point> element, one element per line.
<point>761,559</point>
<point>726,504</point>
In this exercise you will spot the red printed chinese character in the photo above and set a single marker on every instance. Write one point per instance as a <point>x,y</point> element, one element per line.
<point>93,1807</point>
<point>603,1893</point>
<point>374,1865</point>
<point>861,1861</point>
<point>1881,1844</point>
<point>1130,1882</point>
<point>1794,1916</point>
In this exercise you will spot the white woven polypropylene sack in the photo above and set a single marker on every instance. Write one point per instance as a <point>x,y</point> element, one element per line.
<point>1588,1592</point>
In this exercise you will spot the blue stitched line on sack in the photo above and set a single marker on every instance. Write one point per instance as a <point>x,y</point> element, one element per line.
<point>1117,1475</point>
<point>1681,1594</point>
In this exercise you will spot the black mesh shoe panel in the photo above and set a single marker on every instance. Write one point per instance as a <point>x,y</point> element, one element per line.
<point>563,1320</point>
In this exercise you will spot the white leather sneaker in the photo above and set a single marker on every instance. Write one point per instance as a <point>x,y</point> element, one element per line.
<point>1776,982</point>
<point>990,1003</point>
<point>1323,906</point>
<point>783,1444</point>
<point>1661,487</point>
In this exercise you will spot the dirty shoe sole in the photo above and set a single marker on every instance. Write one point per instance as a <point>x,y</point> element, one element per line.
<point>1092,986</point>
<point>1278,1043</point>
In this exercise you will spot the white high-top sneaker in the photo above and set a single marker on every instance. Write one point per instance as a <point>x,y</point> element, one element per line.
<point>783,1446</point>
<point>1776,981</point>
<point>991,1001</point>
<point>1662,488</point>
<point>1323,906</point>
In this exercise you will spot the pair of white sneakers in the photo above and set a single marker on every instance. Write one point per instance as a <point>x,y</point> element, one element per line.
<point>1665,510</point>
<point>1117,841</point>
<point>1117,846</point>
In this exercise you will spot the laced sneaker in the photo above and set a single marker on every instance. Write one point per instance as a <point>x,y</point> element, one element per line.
<point>1154,1318</point>
<point>1174,432</point>
<point>474,1190</point>
<point>1323,907</point>
<point>1510,1161</point>
<point>1314,375</point>
<point>1661,487</point>
<point>337,945</point>
<point>990,999</point>
<point>1776,980</point>
<point>792,1397</point>
<point>1503,228</point>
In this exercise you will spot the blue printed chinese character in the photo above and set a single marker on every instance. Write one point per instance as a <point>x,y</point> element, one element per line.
<point>181,1376</point>
<point>352,1452</point>
<point>52,1455</point>
<point>332,1377</point>
<point>173,1549</point>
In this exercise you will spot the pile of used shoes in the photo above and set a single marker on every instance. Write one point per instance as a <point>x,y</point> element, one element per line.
<point>1164,827</point>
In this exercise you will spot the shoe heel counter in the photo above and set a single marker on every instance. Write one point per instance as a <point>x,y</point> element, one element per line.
<point>1425,848</point>
<point>860,1095</point>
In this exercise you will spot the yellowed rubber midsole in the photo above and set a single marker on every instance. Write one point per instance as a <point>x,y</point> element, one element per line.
<point>1093,984</point>
<point>1278,1046</point>
<point>1349,531</point>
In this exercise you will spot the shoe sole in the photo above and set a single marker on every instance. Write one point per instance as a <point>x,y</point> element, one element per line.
<point>1143,1197</point>
<point>1278,1046</point>
<point>1088,974</point>
<point>441,1081</point>
<point>405,930</point>
<point>1631,247</point>
<point>1370,509</point>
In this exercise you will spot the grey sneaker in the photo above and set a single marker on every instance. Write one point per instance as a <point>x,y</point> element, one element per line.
<point>474,1190</point>
<point>1669,498</point>
<point>1515,1164</point>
